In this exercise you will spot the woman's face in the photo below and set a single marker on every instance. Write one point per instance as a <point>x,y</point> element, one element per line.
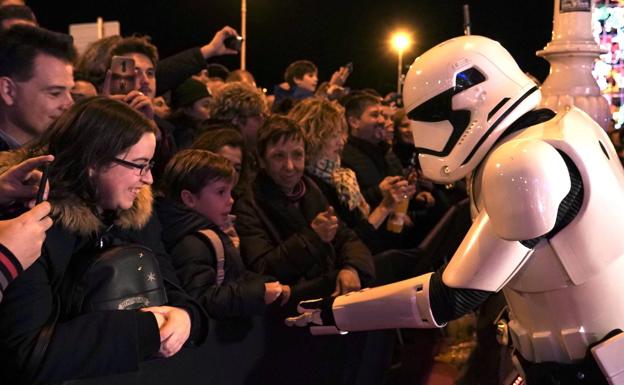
<point>284,162</point>
<point>117,185</point>
<point>333,147</point>
<point>200,109</point>
<point>161,108</point>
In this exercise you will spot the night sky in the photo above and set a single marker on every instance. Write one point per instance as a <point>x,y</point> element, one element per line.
<point>330,33</point>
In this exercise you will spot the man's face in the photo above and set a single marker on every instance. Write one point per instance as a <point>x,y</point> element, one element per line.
<point>39,101</point>
<point>388,113</point>
<point>370,126</point>
<point>145,74</point>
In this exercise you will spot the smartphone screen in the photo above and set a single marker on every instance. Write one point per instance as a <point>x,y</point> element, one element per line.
<point>122,75</point>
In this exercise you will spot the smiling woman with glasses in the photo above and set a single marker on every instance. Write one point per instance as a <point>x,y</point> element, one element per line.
<point>101,197</point>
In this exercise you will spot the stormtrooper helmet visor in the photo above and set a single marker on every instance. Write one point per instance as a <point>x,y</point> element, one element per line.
<point>435,125</point>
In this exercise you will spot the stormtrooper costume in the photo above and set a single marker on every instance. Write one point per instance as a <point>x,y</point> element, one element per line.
<point>546,195</point>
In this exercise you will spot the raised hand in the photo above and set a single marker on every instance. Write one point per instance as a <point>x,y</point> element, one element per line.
<point>347,280</point>
<point>21,182</point>
<point>24,235</point>
<point>325,224</point>
<point>216,47</point>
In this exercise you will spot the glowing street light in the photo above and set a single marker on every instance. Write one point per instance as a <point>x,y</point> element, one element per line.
<point>400,42</point>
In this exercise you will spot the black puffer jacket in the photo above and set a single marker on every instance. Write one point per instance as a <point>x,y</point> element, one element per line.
<point>194,258</point>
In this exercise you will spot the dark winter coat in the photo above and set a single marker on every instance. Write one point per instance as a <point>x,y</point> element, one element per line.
<point>371,164</point>
<point>276,239</point>
<point>92,344</point>
<point>193,256</point>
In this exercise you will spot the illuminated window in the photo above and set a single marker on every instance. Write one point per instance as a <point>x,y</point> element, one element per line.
<point>608,29</point>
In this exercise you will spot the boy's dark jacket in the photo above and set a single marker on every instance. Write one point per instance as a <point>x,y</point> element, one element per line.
<point>241,293</point>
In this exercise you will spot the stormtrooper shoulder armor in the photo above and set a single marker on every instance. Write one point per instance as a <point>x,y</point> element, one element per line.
<point>524,183</point>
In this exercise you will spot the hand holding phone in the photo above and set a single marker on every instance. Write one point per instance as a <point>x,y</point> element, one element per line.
<point>21,182</point>
<point>339,77</point>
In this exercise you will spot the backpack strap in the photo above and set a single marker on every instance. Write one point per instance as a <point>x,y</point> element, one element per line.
<point>217,244</point>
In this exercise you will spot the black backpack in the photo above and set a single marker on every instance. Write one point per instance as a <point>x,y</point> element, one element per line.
<point>123,277</point>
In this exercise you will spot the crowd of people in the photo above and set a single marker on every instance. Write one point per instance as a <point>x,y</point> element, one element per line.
<point>248,203</point>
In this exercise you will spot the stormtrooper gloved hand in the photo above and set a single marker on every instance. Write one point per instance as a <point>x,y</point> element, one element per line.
<point>318,314</point>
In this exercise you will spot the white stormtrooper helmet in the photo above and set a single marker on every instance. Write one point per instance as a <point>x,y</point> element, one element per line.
<point>460,96</point>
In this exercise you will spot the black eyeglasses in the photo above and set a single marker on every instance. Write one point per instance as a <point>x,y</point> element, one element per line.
<point>143,168</point>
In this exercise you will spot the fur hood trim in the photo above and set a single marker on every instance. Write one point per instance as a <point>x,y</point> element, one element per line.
<point>73,214</point>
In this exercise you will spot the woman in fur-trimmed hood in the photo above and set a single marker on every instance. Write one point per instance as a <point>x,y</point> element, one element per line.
<point>100,194</point>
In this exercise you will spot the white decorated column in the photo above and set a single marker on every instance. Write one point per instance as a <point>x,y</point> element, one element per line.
<point>571,55</point>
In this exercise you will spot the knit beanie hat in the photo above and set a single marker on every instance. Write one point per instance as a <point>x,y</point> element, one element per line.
<point>188,92</point>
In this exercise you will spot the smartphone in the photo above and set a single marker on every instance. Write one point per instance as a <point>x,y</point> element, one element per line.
<point>349,67</point>
<point>233,42</point>
<point>122,75</point>
<point>42,183</point>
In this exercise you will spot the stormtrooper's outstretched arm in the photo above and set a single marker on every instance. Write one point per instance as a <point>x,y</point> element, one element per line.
<point>482,265</point>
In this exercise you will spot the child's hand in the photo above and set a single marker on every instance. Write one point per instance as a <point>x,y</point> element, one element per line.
<point>272,290</point>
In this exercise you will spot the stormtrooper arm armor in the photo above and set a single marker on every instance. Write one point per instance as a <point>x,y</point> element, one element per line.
<point>426,301</point>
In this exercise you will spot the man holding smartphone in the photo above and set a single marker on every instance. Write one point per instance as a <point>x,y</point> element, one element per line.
<point>173,71</point>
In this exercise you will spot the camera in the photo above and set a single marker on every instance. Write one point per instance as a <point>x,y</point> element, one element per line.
<point>233,42</point>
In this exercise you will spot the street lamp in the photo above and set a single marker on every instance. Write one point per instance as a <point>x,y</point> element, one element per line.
<point>400,42</point>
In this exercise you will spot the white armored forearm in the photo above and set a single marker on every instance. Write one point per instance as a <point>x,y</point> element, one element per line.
<point>403,304</point>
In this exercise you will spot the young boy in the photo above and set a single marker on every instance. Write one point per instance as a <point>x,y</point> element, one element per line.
<point>196,188</point>
<point>301,78</point>
<point>196,191</point>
